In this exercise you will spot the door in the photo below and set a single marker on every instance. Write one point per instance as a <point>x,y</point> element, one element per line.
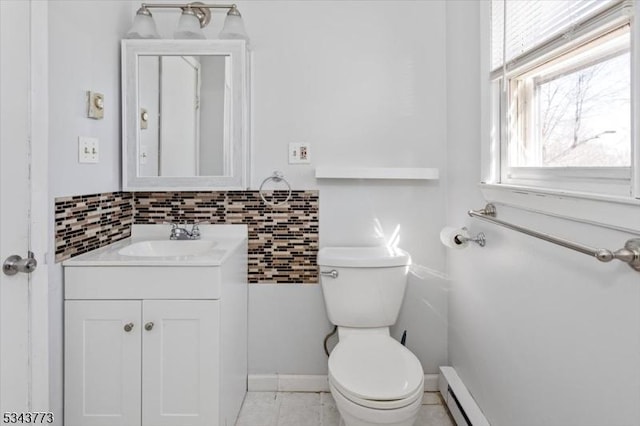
<point>181,363</point>
<point>102,363</point>
<point>19,368</point>
<point>179,116</point>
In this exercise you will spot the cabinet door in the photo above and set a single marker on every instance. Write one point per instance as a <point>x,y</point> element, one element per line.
<point>102,363</point>
<point>180,377</point>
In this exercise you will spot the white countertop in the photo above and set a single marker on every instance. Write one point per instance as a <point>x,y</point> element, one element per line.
<point>227,238</point>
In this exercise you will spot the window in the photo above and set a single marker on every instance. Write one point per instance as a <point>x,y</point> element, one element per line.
<point>562,94</point>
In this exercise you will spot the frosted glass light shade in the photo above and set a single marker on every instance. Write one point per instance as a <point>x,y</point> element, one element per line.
<point>143,26</point>
<point>234,28</point>
<point>189,26</point>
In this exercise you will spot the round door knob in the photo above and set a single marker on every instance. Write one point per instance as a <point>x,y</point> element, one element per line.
<point>14,264</point>
<point>128,327</point>
<point>148,326</point>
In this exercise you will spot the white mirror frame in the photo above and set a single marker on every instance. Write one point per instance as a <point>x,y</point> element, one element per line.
<point>240,139</point>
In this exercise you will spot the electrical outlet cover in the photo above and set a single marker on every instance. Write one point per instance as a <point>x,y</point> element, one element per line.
<point>299,153</point>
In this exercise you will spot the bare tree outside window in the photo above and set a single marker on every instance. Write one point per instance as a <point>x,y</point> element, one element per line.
<point>584,116</point>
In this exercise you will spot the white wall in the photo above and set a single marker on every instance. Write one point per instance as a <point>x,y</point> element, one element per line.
<point>84,54</point>
<point>424,315</point>
<point>288,323</point>
<point>84,48</point>
<point>287,326</point>
<point>362,81</point>
<point>539,334</point>
<point>364,84</point>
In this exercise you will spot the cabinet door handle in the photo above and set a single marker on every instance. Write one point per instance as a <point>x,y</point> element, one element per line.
<point>128,327</point>
<point>148,326</point>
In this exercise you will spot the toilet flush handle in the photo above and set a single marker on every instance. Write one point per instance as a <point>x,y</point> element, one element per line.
<point>332,273</point>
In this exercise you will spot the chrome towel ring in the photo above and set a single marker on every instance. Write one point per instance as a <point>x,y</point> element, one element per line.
<point>276,177</point>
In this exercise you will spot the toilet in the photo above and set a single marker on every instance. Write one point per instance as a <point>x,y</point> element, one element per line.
<point>372,377</point>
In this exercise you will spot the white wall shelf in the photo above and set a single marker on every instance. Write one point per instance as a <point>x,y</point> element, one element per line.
<point>376,173</point>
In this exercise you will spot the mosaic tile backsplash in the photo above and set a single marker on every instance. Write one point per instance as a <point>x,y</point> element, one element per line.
<point>283,241</point>
<point>87,222</point>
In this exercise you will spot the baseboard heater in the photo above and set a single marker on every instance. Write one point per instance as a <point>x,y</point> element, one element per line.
<point>462,406</point>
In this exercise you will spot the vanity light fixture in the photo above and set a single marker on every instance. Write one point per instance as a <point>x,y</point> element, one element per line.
<point>234,26</point>
<point>143,25</point>
<point>195,16</point>
<point>189,25</point>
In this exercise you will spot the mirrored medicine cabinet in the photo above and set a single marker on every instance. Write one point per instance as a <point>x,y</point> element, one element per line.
<point>185,115</point>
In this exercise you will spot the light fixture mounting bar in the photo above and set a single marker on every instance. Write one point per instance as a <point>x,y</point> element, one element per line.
<point>184,5</point>
<point>233,26</point>
<point>201,10</point>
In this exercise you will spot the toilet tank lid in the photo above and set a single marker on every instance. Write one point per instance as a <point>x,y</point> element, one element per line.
<point>363,257</point>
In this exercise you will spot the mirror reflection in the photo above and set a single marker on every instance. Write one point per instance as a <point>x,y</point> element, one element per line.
<point>184,115</point>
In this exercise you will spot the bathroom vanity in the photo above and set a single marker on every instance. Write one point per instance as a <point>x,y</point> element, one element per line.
<point>156,330</point>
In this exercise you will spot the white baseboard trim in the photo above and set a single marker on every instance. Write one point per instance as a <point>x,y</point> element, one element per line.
<point>262,383</point>
<point>431,382</point>
<point>288,383</point>
<point>309,383</point>
<point>462,406</point>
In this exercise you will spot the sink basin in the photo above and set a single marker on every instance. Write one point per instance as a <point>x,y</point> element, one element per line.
<point>166,248</point>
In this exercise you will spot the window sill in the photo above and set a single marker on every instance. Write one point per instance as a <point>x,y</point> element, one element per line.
<point>619,213</point>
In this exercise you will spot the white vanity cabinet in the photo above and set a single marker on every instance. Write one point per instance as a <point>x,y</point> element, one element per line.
<point>102,363</point>
<point>149,361</point>
<point>155,345</point>
<point>181,362</point>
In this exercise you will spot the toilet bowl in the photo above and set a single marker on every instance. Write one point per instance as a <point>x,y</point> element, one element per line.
<point>375,381</point>
<point>373,378</point>
<point>353,414</point>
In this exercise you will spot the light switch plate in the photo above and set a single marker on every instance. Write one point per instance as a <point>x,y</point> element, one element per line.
<point>88,150</point>
<point>96,105</point>
<point>300,153</point>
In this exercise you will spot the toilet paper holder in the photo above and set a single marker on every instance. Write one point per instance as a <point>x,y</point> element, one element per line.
<point>479,239</point>
<point>459,238</point>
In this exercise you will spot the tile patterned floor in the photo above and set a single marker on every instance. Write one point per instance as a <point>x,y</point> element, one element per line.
<point>319,409</point>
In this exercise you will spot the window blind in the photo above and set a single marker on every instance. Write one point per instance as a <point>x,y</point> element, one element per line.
<point>531,23</point>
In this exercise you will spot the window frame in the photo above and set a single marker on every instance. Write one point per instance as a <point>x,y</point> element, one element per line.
<point>600,180</point>
<point>579,196</point>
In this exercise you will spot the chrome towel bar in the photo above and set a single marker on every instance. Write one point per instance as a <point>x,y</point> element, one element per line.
<point>629,254</point>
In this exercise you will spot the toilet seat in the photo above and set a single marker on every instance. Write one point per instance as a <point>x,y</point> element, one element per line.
<point>375,404</point>
<point>376,371</point>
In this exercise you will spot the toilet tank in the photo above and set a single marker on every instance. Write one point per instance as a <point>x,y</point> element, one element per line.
<point>367,287</point>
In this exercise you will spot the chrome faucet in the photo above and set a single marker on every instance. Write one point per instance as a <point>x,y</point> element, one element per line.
<point>182,233</point>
